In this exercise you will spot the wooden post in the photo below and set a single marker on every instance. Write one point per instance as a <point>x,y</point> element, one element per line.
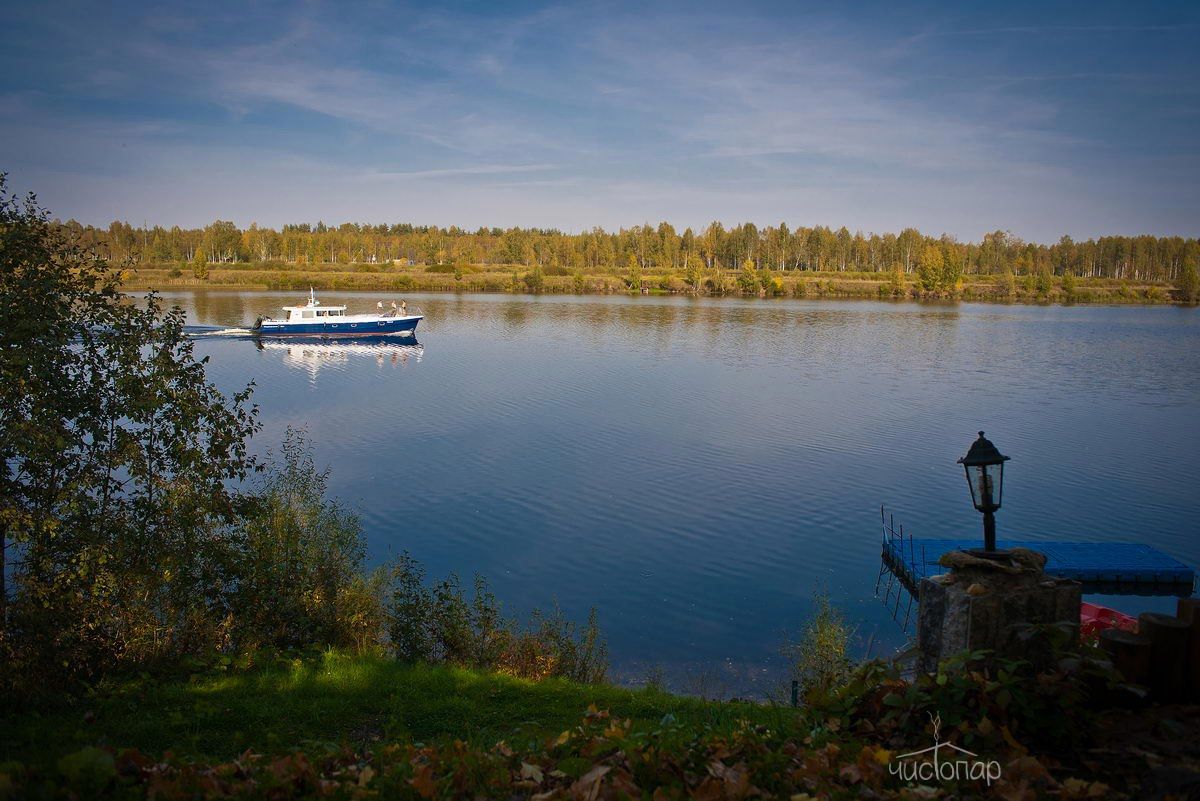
<point>1130,654</point>
<point>1168,655</point>
<point>1188,610</point>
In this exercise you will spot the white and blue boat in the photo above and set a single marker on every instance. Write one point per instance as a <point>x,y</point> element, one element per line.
<point>315,320</point>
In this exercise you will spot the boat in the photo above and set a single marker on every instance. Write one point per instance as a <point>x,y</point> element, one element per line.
<point>315,320</point>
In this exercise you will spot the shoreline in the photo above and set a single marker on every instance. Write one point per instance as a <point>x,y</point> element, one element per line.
<point>1000,290</point>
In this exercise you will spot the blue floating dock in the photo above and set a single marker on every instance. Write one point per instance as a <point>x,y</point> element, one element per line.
<point>1116,568</point>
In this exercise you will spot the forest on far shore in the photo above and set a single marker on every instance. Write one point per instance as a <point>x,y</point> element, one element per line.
<point>647,247</point>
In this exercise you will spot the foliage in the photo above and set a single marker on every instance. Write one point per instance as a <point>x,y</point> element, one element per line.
<point>119,458</point>
<point>1070,287</point>
<point>1042,282</point>
<point>661,247</point>
<point>940,267</point>
<point>931,268</point>
<point>896,286</point>
<point>771,283</point>
<point>299,578</point>
<point>535,280</point>
<point>820,661</point>
<point>748,278</point>
<point>1008,284</point>
<point>200,265</point>
<point>383,278</point>
<point>439,624</point>
<point>986,703</point>
<point>633,273</point>
<point>1189,284</point>
<point>952,266</point>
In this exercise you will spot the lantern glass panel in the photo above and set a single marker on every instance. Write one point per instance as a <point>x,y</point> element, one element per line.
<point>998,483</point>
<point>986,483</point>
<point>973,483</point>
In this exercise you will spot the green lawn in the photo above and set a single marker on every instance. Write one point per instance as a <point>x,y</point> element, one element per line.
<point>334,698</point>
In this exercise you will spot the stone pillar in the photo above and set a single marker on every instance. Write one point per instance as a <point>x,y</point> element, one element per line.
<point>982,604</point>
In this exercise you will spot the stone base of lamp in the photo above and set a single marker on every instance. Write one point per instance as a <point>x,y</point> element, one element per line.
<point>988,602</point>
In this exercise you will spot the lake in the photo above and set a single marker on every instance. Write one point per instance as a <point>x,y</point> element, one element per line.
<point>697,468</point>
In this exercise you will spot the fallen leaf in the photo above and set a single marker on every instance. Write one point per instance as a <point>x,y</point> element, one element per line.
<point>587,787</point>
<point>422,781</point>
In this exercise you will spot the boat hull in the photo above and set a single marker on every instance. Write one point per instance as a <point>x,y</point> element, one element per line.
<point>341,329</point>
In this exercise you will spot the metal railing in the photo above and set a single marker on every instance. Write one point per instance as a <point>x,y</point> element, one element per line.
<point>899,562</point>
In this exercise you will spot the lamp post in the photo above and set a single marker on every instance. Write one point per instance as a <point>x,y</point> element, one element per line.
<point>984,465</point>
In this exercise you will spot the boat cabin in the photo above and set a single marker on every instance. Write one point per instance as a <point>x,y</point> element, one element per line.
<point>313,310</point>
<point>296,313</point>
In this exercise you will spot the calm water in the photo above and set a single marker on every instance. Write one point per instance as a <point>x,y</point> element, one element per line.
<point>696,469</point>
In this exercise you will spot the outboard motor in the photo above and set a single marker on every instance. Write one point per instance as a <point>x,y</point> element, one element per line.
<point>257,324</point>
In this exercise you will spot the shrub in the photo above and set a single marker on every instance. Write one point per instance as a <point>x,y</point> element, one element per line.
<point>535,280</point>
<point>1008,285</point>
<point>1042,283</point>
<point>748,280</point>
<point>986,703</point>
<point>1070,287</point>
<point>896,287</point>
<point>200,265</point>
<point>819,661</point>
<point>1189,284</point>
<point>299,579</point>
<point>440,624</point>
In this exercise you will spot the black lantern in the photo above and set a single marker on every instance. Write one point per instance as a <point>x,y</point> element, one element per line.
<point>984,465</point>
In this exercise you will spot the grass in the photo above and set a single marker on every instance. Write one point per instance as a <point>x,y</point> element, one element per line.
<point>424,732</point>
<point>500,278</point>
<point>309,703</point>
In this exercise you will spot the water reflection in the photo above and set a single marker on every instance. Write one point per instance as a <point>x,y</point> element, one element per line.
<point>313,355</point>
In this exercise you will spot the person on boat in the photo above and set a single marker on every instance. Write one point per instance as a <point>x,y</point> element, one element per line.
<point>403,308</point>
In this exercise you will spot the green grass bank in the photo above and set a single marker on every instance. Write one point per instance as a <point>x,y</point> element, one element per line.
<point>336,725</point>
<point>320,701</point>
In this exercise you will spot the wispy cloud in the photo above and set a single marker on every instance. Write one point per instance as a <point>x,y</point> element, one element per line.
<point>955,120</point>
<point>480,169</point>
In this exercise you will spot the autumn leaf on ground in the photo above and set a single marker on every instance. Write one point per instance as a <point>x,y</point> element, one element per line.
<point>422,781</point>
<point>531,772</point>
<point>587,787</point>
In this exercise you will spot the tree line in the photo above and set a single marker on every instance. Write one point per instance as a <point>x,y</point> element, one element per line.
<point>645,247</point>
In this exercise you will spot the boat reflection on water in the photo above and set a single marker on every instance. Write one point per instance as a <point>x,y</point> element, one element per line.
<point>316,353</point>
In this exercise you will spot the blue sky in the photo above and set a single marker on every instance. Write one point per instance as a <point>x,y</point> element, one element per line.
<point>1039,118</point>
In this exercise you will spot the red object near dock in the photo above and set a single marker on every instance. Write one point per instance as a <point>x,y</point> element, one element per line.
<point>1094,619</point>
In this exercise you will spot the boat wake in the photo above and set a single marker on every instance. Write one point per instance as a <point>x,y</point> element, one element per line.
<point>198,331</point>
